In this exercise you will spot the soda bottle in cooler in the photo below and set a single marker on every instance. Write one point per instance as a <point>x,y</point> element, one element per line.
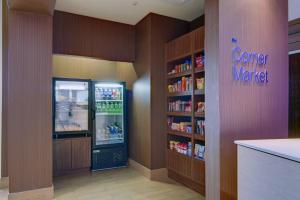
<point>100,93</point>
<point>99,106</point>
<point>113,94</point>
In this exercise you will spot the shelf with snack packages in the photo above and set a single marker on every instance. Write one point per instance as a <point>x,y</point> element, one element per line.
<point>199,63</point>
<point>185,109</point>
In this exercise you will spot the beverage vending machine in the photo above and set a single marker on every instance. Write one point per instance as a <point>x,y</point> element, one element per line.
<point>109,125</point>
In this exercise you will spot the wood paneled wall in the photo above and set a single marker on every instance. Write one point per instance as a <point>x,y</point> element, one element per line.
<point>163,29</point>
<point>139,127</point>
<point>29,112</point>
<point>147,136</point>
<point>197,23</point>
<point>212,113</point>
<point>294,35</point>
<point>85,36</point>
<point>4,168</point>
<point>294,96</point>
<point>294,72</point>
<point>238,111</point>
<point>36,6</point>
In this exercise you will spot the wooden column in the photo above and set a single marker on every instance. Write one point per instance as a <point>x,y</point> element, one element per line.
<point>236,110</point>
<point>147,137</point>
<point>29,110</point>
<point>4,170</point>
<point>212,134</point>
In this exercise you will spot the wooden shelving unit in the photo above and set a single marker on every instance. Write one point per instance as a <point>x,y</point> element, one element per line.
<point>180,134</point>
<point>199,92</point>
<point>199,137</point>
<point>199,114</point>
<point>180,114</point>
<point>179,57</point>
<point>178,94</point>
<point>199,70</point>
<point>187,170</point>
<point>186,73</point>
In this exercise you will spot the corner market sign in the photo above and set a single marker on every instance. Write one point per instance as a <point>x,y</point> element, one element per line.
<point>249,67</point>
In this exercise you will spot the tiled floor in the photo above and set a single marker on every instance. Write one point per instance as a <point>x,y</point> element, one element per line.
<point>121,184</point>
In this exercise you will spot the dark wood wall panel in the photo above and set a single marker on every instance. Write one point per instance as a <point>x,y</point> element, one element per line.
<point>163,29</point>
<point>246,111</point>
<point>85,36</point>
<point>4,168</point>
<point>139,127</point>
<point>198,167</point>
<point>62,155</point>
<point>147,136</point>
<point>294,35</point>
<point>81,151</point>
<point>197,23</point>
<point>29,112</point>
<point>37,6</point>
<point>182,46</point>
<point>199,35</point>
<point>180,164</point>
<point>212,104</point>
<point>71,155</point>
<point>294,96</point>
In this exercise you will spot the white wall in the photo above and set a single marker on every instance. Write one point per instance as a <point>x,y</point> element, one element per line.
<point>294,9</point>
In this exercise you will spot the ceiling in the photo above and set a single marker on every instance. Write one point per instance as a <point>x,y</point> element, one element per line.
<point>132,11</point>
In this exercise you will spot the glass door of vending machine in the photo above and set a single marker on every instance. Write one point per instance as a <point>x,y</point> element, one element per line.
<point>109,142</point>
<point>71,104</point>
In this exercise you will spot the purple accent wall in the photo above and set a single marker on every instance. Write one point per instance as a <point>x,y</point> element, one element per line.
<point>247,111</point>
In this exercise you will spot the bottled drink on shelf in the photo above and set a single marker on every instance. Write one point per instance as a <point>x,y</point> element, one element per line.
<point>104,94</point>
<point>200,127</point>
<point>100,93</point>
<point>103,107</point>
<point>100,106</point>
<point>180,106</point>
<point>199,151</point>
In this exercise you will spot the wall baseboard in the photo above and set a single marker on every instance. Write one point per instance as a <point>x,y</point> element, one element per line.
<point>3,182</point>
<point>38,194</point>
<point>140,168</point>
<point>160,175</point>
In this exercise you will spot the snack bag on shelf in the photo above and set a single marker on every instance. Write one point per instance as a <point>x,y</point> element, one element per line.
<point>190,83</point>
<point>201,107</point>
<point>200,61</point>
<point>200,83</point>
<point>183,85</point>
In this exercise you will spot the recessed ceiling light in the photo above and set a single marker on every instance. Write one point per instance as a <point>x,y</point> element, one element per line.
<point>177,2</point>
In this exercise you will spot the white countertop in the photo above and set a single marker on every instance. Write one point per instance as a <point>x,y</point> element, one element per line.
<point>286,148</point>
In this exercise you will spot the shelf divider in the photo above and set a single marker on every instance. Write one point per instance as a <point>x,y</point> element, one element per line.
<point>181,134</point>
<point>178,75</point>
